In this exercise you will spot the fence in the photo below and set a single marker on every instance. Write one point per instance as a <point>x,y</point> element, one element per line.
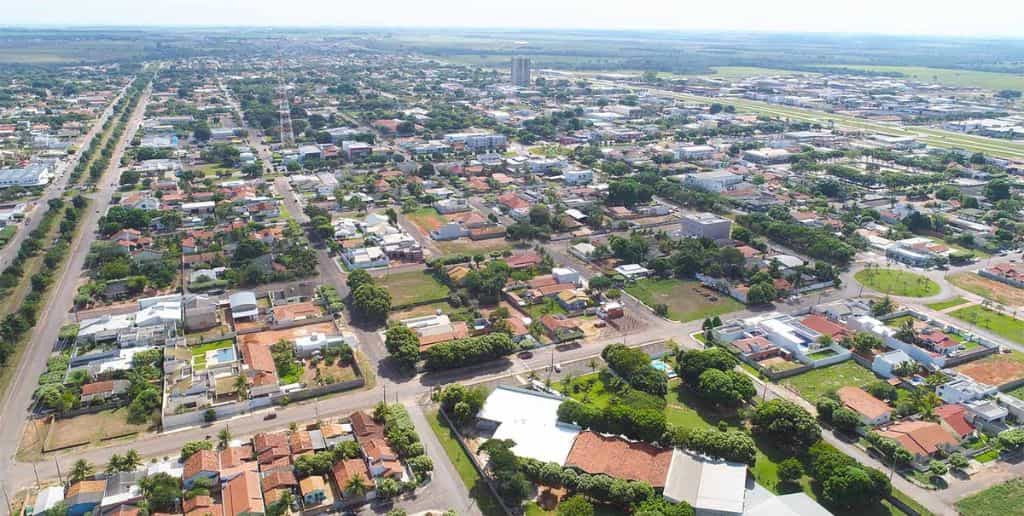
<point>473,460</point>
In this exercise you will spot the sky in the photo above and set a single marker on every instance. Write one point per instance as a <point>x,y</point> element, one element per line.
<point>978,18</point>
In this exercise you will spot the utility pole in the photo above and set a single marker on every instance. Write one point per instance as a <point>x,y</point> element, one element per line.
<point>59,476</point>
<point>10,508</point>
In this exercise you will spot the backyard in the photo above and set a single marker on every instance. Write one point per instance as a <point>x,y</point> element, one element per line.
<point>413,288</point>
<point>815,383</point>
<point>199,352</point>
<point>1002,499</point>
<point>686,300</point>
<point>897,282</point>
<point>989,289</point>
<point>993,321</point>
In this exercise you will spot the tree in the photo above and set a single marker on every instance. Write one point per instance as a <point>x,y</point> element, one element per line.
<point>728,388</point>
<point>388,488</point>
<point>403,345</point>
<point>845,419</point>
<point>997,190</point>
<point>864,342</point>
<point>357,278</point>
<point>790,470</point>
<point>786,422</point>
<point>958,460</point>
<point>356,486</point>
<point>81,470</point>
<point>224,437</point>
<point>937,468</point>
<point>190,448</point>
<point>372,302</point>
<point>576,505</point>
<point>761,293</point>
<point>421,465</point>
<point>162,492</point>
<point>1012,439</point>
<point>848,488</point>
<point>692,363</point>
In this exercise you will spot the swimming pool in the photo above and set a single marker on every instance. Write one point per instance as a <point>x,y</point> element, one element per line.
<point>663,367</point>
<point>220,356</point>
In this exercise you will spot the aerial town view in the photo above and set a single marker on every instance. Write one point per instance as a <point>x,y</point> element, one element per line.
<point>435,259</point>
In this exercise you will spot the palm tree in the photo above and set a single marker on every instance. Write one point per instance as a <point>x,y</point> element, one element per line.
<point>115,465</point>
<point>81,470</point>
<point>241,387</point>
<point>224,437</point>
<point>356,486</point>
<point>592,364</point>
<point>132,460</point>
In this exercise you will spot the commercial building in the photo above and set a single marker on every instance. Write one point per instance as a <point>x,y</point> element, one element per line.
<point>706,225</point>
<point>33,174</point>
<point>529,418</point>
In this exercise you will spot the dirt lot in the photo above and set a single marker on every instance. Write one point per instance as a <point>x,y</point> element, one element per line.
<point>994,290</point>
<point>91,429</point>
<point>270,337</point>
<point>995,369</point>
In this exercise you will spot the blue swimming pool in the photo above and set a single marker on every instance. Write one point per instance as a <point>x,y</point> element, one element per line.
<point>663,367</point>
<point>220,356</point>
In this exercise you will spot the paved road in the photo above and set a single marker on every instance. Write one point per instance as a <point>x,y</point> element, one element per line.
<point>18,400</point>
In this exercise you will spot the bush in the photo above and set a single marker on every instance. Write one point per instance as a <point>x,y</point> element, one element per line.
<point>790,470</point>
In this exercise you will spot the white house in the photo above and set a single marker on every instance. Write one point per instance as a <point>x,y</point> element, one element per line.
<point>578,177</point>
<point>449,231</point>
<point>885,363</point>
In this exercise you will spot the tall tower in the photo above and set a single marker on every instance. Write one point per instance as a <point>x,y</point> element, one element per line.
<point>521,71</point>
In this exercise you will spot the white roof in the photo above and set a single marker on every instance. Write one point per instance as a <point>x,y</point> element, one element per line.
<point>106,323</point>
<point>47,498</point>
<point>795,504</point>
<point>531,420</point>
<point>158,313</point>
<point>707,485</point>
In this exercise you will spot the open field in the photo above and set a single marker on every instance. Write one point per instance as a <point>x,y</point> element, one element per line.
<point>92,428</point>
<point>949,303</point>
<point>414,287</point>
<point>683,298</point>
<point>428,219</point>
<point>990,289</point>
<point>478,490</point>
<point>995,322</point>
<point>1003,499</point>
<point>472,247</point>
<point>270,337</point>
<point>995,369</point>
<point>897,282</point>
<point>962,78</point>
<point>815,383</point>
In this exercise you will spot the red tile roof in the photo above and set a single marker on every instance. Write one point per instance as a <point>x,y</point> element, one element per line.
<point>344,470</point>
<point>200,462</point>
<point>824,326</point>
<point>619,458</point>
<point>363,426</point>
<point>862,402</point>
<point>919,437</point>
<point>242,494</point>
<point>98,387</point>
<point>953,415</point>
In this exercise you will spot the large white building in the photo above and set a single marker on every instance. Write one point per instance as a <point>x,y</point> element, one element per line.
<point>33,174</point>
<point>706,225</point>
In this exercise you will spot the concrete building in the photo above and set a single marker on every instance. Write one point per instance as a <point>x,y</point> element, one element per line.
<point>521,71</point>
<point>34,174</point>
<point>706,225</point>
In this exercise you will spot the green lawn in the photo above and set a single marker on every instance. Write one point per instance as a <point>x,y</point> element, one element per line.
<point>548,306</point>
<point>1003,499</point>
<point>813,384</point>
<point>412,288</point>
<point>942,305</point>
<point>478,490</point>
<point>1000,324</point>
<point>683,298</point>
<point>7,233</point>
<point>897,282</point>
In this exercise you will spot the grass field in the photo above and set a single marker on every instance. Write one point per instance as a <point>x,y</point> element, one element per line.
<point>995,322</point>
<point>1003,499</point>
<point>428,219</point>
<point>684,301</point>
<point>897,282</point>
<point>813,384</point>
<point>6,234</point>
<point>410,288</point>
<point>949,303</point>
<point>990,289</point>
<point>478,490</point>
<point>962,78</point>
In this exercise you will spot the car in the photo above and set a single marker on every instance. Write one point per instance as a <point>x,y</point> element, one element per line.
<point>558,368</point>
<point>525,355</point>
<point>268,417</point>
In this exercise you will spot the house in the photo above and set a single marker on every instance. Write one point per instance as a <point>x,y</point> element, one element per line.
<point>315,492</point>
<point>347,472</point>
<point>962,389</point>
<point>449,231</point>
<point>872,411</point>
<point>539,436</point>
<point>243,306</point>
<point>365,258</point>
<point>583,250</point>
<point>756,348</point>
<point>573,300</point>
<point>953,417</point>
<point>364,427</point>
<point>201,505</point>
<point>566,275</point>
<point>104,390</point>
<point>921,438</point>
<point>47,498</point>
<point>241,496</point>
<point>446,206</point>
<point>716,181</point>
<point>633,271</point>
<point>84,496</point>
<point>578,177</point>
<point>1008,273</point>
<point>523,260</point>
<point>711,487</point>
<point>202,464</point>
<point>885,364</point>
<point>617,457</point>
<point>381,459</point>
